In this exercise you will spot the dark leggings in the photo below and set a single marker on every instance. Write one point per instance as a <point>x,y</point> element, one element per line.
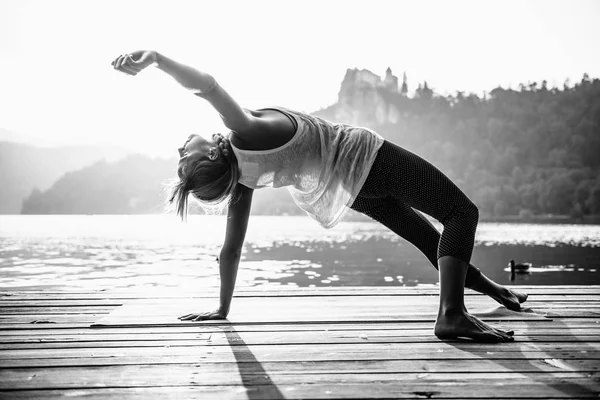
<point>400,180</point>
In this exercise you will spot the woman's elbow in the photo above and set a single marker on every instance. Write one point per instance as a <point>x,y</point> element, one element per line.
<point>240,124</point>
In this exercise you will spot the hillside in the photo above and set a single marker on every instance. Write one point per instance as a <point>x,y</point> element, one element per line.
<point>134,185</point>
<point>24,167</point>
<point>130,186</point>
<point>535,150</point>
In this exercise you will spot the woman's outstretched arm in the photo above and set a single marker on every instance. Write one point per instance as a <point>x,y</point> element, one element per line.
<point>200,83</point>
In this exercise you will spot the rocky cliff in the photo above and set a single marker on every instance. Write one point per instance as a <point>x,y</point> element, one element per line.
<point>366,99</point>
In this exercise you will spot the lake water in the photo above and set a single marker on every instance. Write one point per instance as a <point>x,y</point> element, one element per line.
<point>159,251</point>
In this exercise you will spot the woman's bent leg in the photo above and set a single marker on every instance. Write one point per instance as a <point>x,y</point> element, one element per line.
<point>405,177</point>
<point>410,179</point>
<point>412,226</point>
<point>409,224</point>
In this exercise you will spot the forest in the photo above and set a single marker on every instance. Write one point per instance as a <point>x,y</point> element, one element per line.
<point>523,152</point>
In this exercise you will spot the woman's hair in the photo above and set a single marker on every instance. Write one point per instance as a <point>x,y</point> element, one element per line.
<point>210,179</point>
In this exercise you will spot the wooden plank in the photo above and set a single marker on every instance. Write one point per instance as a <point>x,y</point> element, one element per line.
<point>558,326</point>
<point>290,309</point>
<point>27,328</point>
<point>538,388</point>
<point>364,301</point>
<point>290,339</point>
<point>176,375</point>
<point>415,389</point>
<point>31,303</point>
<point>142,335</point>
<point>49,310</point>
<point>281,335</point>
<point>593,359</point>
<point>266,338</point>
<point>305,353</point>
<point>89,309</point>
<point>419,350</point>
<point>24,325</point>
<point>83,320</point>
<point>228,372</point>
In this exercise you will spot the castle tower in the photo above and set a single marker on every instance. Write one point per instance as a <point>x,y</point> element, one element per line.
<point>390,81</point>
<point>404,89</point>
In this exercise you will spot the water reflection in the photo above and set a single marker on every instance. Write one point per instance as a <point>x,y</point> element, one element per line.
<point>159,251</point>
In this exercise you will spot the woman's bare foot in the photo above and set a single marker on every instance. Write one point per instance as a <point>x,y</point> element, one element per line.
<point>459,323</point>
<point>510,299</point>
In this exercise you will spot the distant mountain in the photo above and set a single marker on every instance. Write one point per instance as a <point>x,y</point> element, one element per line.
<point>134,185</point>
<point>24,167</point>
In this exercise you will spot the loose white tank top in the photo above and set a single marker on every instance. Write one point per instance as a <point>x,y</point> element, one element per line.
<point>324,165</point>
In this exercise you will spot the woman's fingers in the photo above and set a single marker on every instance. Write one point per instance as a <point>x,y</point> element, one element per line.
<point>195,317</point>
<point>118,61</point>
<point>133,63</point>
<point>201,316</point>
<point>118,65</point>
<point>189,317</point>
<point>127,67</point>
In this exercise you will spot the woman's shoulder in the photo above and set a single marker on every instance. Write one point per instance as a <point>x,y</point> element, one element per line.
<point>270,128</point>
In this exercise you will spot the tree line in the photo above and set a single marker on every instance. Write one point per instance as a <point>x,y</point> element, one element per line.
<point>531,151</point>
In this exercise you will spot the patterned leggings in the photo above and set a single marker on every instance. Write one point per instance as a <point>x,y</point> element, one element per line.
<point>400,180</point>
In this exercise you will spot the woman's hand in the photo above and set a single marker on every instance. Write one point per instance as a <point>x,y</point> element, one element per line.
<point>133,63</point>
<point>218,314</point>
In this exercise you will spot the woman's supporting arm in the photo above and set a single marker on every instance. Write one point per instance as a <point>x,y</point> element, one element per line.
<point>237,223</point>
<point>229,259</point>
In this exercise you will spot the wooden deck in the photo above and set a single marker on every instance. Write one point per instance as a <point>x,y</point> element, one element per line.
<point>293,343</point>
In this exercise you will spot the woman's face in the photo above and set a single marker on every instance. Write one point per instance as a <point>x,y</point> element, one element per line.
<point>194,145</point>
<point>193,149</point>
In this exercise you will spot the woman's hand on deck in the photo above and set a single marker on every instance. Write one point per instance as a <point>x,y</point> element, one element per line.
<point>218,314</point>
<point>133,63</point>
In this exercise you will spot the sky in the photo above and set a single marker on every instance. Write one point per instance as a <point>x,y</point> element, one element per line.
<point>57,86</point>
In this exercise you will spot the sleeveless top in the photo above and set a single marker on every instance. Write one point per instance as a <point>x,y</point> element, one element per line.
<point>324,165</point>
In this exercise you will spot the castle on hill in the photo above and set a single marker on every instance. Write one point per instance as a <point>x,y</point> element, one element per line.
<point>364,77</point>
<point>365,99</point>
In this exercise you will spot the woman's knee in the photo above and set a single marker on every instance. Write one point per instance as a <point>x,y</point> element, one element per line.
<point>472,211</point>
<point>466,210</point>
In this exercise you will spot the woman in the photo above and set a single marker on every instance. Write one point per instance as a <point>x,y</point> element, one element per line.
<point>327,168</point>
